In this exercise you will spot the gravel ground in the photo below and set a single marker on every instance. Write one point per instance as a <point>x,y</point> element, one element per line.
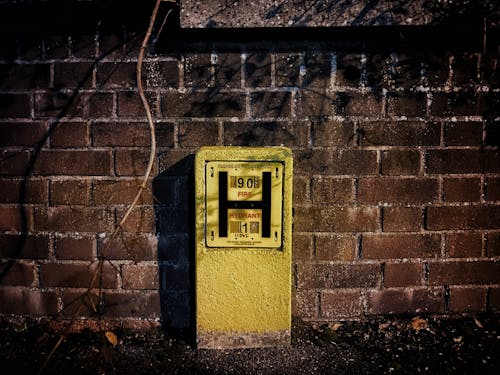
<point>399,345</point>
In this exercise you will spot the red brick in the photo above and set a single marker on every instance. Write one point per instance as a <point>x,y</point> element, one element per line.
<point>353,104</point>
<point>399,133</point>
<point>462,189</point>
<point>468,217</point>
<point>91,163</point>
<point>83,45</point>
<point>72,275</point>
<point>466,272</point>
<point>328,276</point>
<point>130,247</point>
<point>401,301</point>
<point>348,71</point>
<point>74,219</point>
<point>493,244</point>
<point>314,104</point>
<point>461,103</point>
<point>302,246</point>
<point>80,304</point>
<point>336,219</point>
<point>301,190</point>
<point>305,304</point>
<point>14,163</point>
<point>403,274</point>
<point>70,135</point>
<point>272,133</point>
<point>99,105</point>
<point>463,133</point>
<point>399,162</point>
<point>56,46</point>
<point>332,133</point>
<point>57,104</point>
<point>75,248</point>
<point>464,245</point>
<point>117,75</point>
<point>17,273</point>
<point>22,133</point>
<point>492,187</point>
<point>402,219</point>
<point>203,104</point>
<point>467,299</point>
<point>143,305</point>
<point>410,104</point>
<point>198,70</point>
<point>336,162</point>
<point>270,104</point>
<point>106,192</point>
<point>15,218</point>
<point>24,246</point>
<point>116,134</point>
<point>18,191</point>
<point>175,158</point>
<point>140,276</point>
<point>463,161</point>
<point>287,69</point>
<point>140,220</point>
<point>196,134</point>
<point>341,304</point>
<point>327,190</point>
<point>397,246</point>
<point>132,162</point>
<point>258,69</point>
<point>160,73</point>
<point>24,76</point>
<point>228,69</point>
<point>21,301</point>
<point>335,247</point>
<point>70,192</point>
<point>494,299</point>
<point>465,69</point>
<point>15,105</point>
<point>397,190</point>
<point>130,104</point>
<point>73,75</point>
<point>408,72</point>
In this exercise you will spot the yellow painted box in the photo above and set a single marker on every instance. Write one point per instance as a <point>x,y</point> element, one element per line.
<point>243,246</point>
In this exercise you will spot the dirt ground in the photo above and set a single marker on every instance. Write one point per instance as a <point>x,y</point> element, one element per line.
<point>399,345</point>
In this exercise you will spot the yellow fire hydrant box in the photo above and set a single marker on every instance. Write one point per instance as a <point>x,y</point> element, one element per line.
<point>243,246</point>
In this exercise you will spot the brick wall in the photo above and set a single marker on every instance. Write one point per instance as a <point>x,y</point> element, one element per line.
<point>395,135</point>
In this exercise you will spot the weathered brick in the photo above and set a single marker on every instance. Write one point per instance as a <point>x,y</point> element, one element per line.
<point>378,70</point>
<point>72,275</point>
<point>287,69</point>
<point>270,104</point>
<point>463,133</point>
<point>160,73</point>
<point>196,134</point>
<point>462,189</point>
<point>140,276</point>
<point>291,134</point>
<point>437,69</point>
<point>400,162</point>
<point>465,69</point>
<point>305,304</point>
<point>140,220</point>
<point>74,219</point>
<point>117,75</point>
<point>403,274</point>
<point>14,163</point>
<point>397,190</point>
<point>328,190</point>
<point>15,105</point>
<point>17,273</point>
<point>179,159</point>
<point>462,103</point>
<point>336,219</point>
<point>198,71</point>
<point>75,248</point>
<point>402,219</point>
<point>354,104</point>
<point>410,104</point>
<point>70,192</point>
<point>203,104</point>
<point>106,192</point>
<point>493,244</point>
<point>492,188</point>
<point>492,137</point>
<point>59,104</point>
<point>468,217</point>
<point>22,133</point>
<point>129,104</point>
<point>30,47</point>
<point>328,276</point>
<point>24,246</point>
<point>302,246</point>
<point>19,191</point>
<point>56,46</point>
<point>399,133</point>
<point>164,134</point>
<point>80,303</point>
<point>464,245</point>
<point>463,161</point>
<point>348,72</point>
<point>467,299</point>
<point>258,69</point>
<point>24,76</point>
<point>332,133</point>
<point>314,104</point>
<point>132,162</point>
<point>15,218</point>
<point>399,246</point>
<point>335,247</point>
<point>70,135</point>
<point>126,246</point>
<point>464,272</point>
<point>58,162</point>
<point>408,70</point>
<point>403,301</point>
<point>228,69</point>
<point>83,45</point>
<point>341,304</point>
<point>111,44</point>
<point>119,134</point>
<point>73,75</point>
<point>301,190</point>
<point>494,299</point>
<point>143,305</point>
<point>336,162</point>
<point>22,301</point>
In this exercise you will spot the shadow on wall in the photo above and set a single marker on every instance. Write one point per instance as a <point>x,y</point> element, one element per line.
<point>175,208</point>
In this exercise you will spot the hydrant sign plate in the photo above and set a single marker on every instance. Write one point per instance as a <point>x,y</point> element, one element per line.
<point>244,204</point>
